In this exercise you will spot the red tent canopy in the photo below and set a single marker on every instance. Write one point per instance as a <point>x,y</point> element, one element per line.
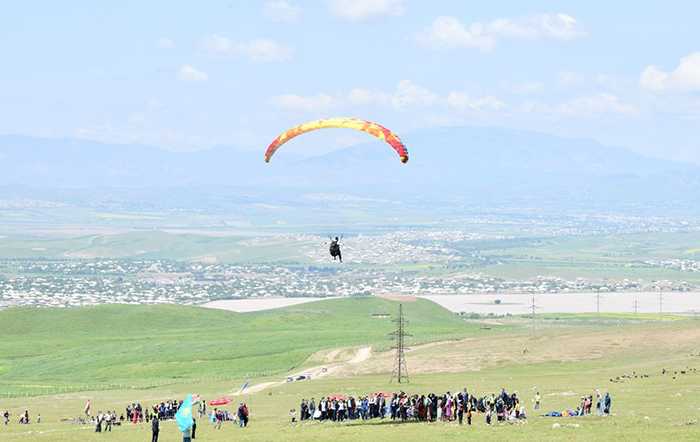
<point>220,401</point>
<point>337,397</point>
<point>385,394</point>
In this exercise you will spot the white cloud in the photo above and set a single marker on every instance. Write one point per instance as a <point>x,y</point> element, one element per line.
<point>555,26</point>
<point>409,94</point>
<point>571,79</point>
<point>411,97</point>
<point>315,103</point>
<point>596,104</point>
<point>685,78</point>
<point>463,102</point>
<point>357,10</point>
<point>264,50</point>
<point>137,118</point>
<point>406,96</point>
<point>218,45</point>
<point>259,50</point>
<point>450,32</point>
<point>282,11</point>
<point>165,43</point>
<point>365,97</point>
<point>190,73</point>
<point>527,88</point>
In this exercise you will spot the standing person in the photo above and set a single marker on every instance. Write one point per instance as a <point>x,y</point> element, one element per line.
<point>194,427</point>
<point>243,415</point>
<point>460,408</point>
<point>98,422</point>
<point>155,428</point>
<point>38,419</point>
<point>108,421</point>
<point>302,410</point>
<point>537,400</point>
<point>607,404</point>
<point>448,407</point>
<point>219,418</point>
<point>87,408</point>
<point>6,417</point>
<point>246,413</point>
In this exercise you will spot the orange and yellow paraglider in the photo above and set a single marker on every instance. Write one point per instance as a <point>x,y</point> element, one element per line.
<point>369,127</point>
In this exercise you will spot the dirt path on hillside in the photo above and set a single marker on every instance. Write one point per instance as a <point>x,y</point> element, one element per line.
<point>479,353</point>
<point>360,355</point>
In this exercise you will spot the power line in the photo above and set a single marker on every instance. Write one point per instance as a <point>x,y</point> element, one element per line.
<point>400,373</point>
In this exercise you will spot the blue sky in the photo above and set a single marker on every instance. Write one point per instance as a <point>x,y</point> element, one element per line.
<point>190,75</point>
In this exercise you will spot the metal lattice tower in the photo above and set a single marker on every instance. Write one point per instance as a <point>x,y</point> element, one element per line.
<point>533,312</point>
<point>400,373</point>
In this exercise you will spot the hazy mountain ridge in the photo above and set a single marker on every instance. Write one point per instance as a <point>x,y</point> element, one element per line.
<point>466,163</point>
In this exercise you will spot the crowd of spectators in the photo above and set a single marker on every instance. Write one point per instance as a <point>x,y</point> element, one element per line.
<point>400,406</point>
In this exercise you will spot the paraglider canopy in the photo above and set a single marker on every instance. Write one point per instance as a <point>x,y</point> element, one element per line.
<point>220,401</point>
<point>369,127</point>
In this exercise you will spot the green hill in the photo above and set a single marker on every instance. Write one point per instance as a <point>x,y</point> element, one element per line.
<point>112,346</point>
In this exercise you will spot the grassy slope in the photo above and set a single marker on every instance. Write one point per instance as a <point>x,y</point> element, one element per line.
<point>654,408</point>
<point>45,349</point>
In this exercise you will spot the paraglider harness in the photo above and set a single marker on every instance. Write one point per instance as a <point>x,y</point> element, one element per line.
<point>334,249</point>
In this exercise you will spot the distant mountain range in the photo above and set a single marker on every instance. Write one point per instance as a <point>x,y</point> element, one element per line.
<point>486,166</point>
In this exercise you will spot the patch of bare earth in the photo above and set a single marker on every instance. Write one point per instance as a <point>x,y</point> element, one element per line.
<point>341,359</point>
<point>475,354</point>
<point>397,297</point>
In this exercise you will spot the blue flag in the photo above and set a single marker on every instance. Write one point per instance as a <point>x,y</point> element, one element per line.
<point>183,417</point>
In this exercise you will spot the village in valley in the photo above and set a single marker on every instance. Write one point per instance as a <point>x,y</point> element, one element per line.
<point>429,262</point>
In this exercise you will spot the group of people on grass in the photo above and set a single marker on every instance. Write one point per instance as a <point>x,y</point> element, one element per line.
<point>400,406</point>
<point>217,417</point>
<point>105,421</point>
<point>134,413</point>
<point>23,418</point>
<point>603,405</point>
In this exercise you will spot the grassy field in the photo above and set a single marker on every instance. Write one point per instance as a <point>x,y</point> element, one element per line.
<point>564,357</point>
<point>150,245</point>
<point>48,350</point>
<point>593,257</point>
